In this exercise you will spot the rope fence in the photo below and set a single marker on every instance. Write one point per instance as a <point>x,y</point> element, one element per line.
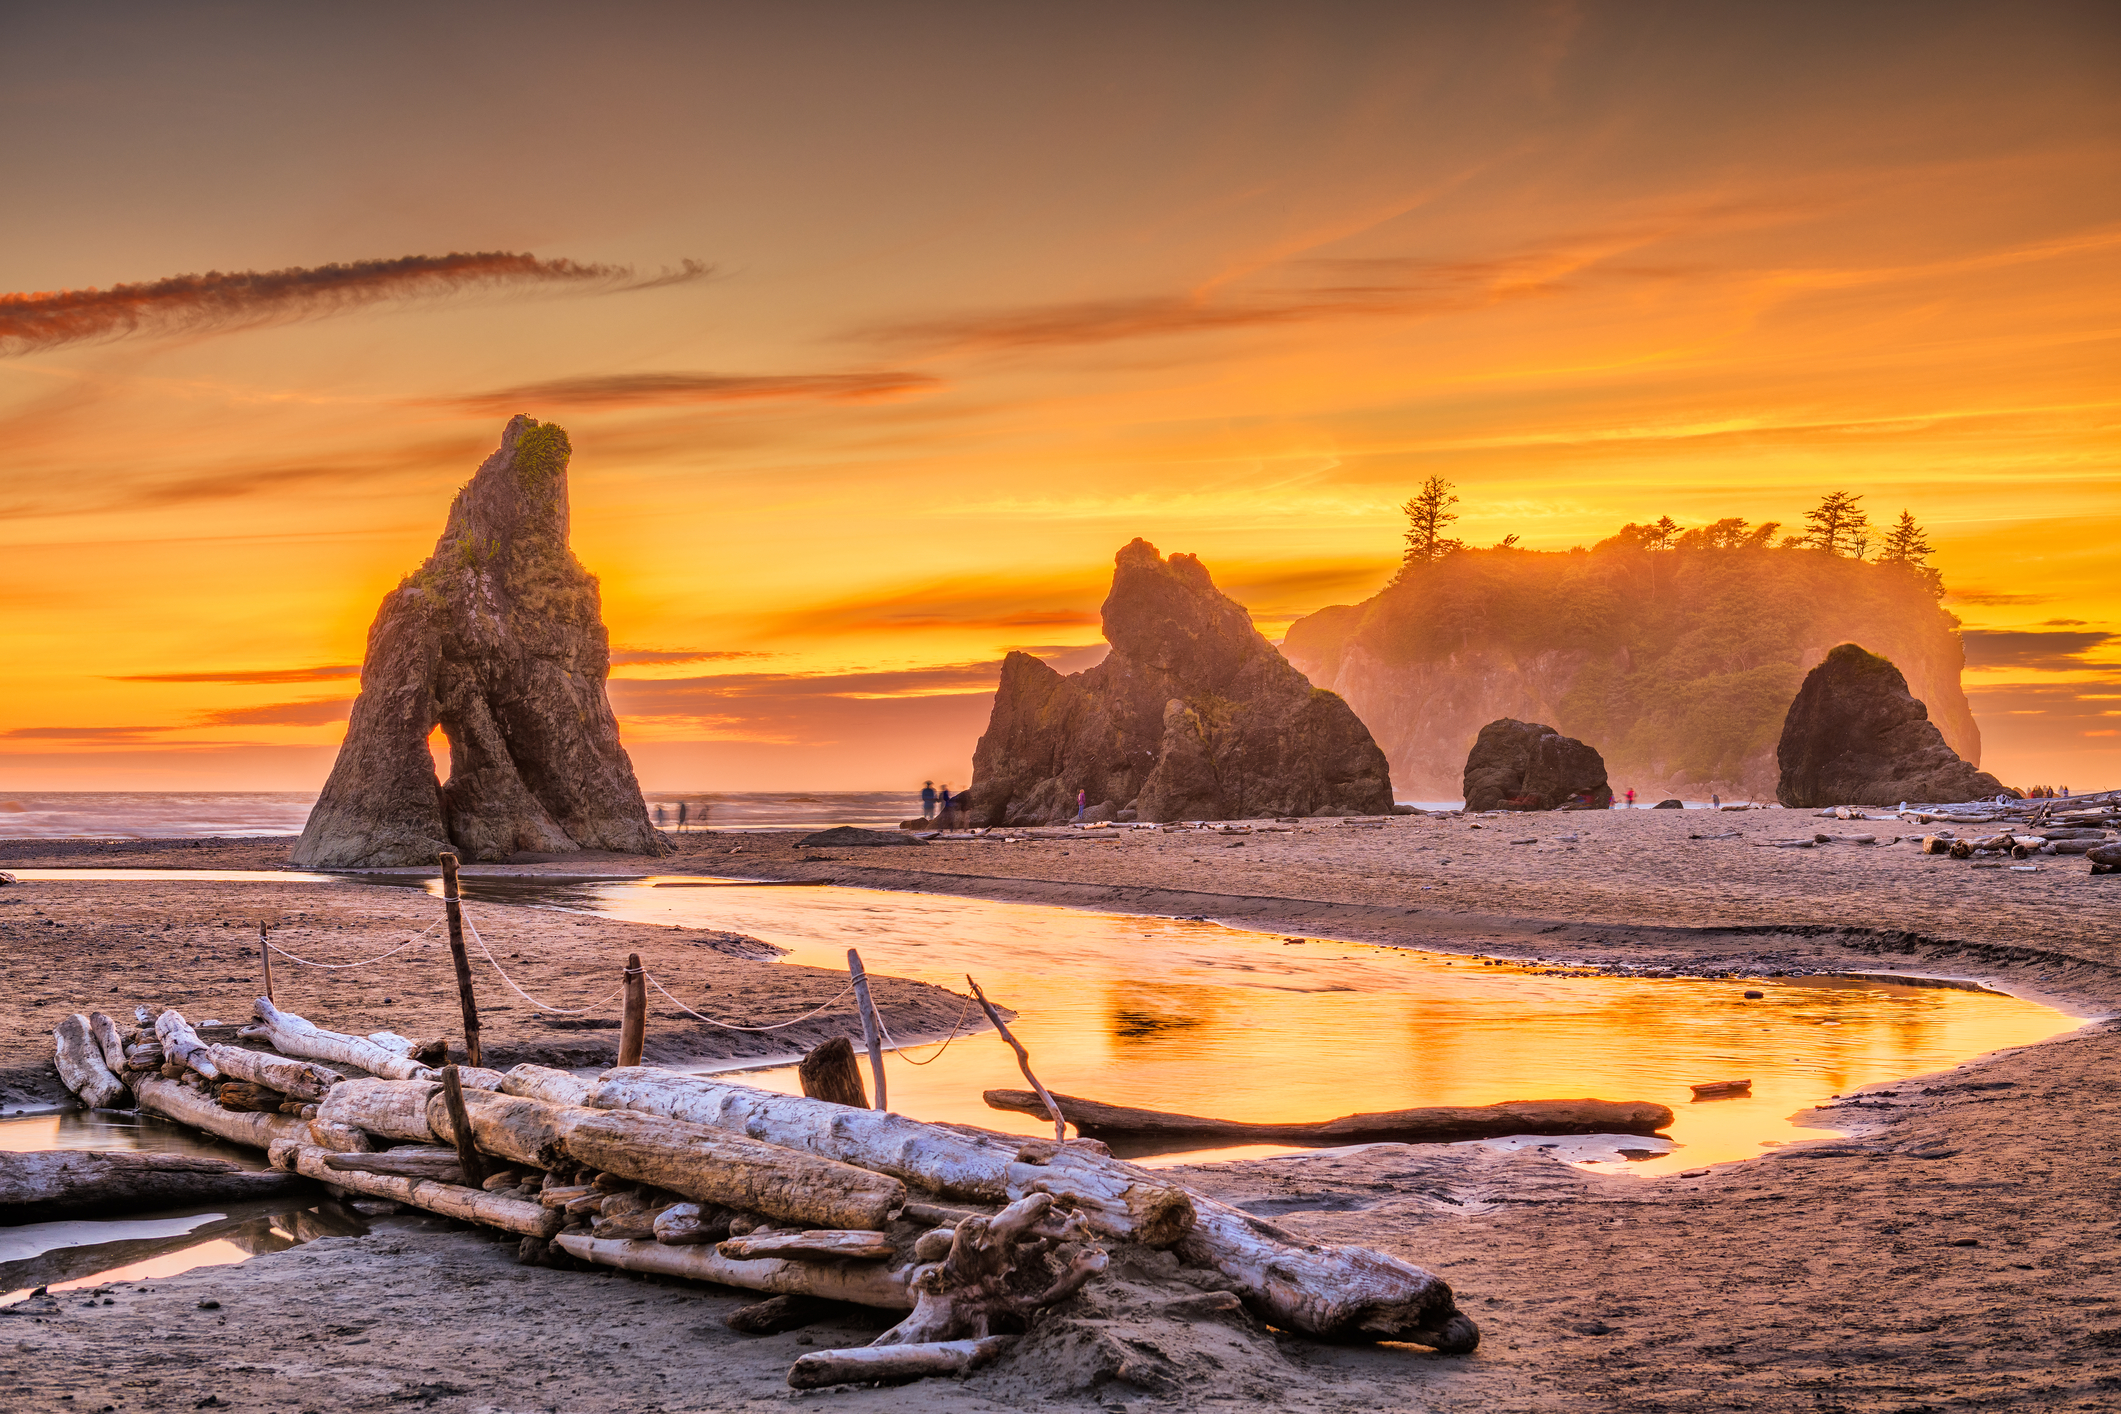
<point>904,1053</point>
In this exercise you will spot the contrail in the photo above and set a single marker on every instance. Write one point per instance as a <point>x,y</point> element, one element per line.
<point>185,304</point>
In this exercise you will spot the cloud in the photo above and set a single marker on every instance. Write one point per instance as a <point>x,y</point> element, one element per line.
<point>112,736</point>
<point>2055,650</point>
<point>1962,596</point>
<point>684,389</point>
<point>282,714</point>
<point>190,304</point>
<point>252,675</point>
<point>714,695</point>
<point>622,656</point>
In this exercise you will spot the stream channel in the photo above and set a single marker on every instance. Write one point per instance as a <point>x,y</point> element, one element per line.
<point>1196,1017</point>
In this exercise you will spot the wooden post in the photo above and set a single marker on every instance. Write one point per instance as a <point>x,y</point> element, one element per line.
<point>468,1158</point>
<point>453,906</point>
<point>634,1029</point>
<point>831,1073</point>
<point>265,952</point>
<point>870,1038</point>
<point>1023,1060</point>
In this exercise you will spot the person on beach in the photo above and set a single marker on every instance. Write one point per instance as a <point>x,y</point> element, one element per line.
<point>927,800</point>
<point>659,817</point>
<point>1715,801</point>
<point>942,812</point>
<point>1082,803</point>
<point>681,817</point>
<point>1631,797</point>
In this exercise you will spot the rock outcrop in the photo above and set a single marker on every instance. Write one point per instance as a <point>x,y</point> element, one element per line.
<point>1193,715</point>
<point>498,639</point>
<point>1856,736</point>
<point>1529,766</point>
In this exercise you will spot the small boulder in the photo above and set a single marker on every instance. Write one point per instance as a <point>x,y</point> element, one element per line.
<point>1529,766</point>
<point>1856,736</point>
<point>1669,805</point>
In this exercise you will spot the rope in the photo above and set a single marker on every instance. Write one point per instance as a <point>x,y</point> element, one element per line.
<point>369,962</point>
<point>732,1026</point>
<point>963,1012</point>
<point>541,1006</point>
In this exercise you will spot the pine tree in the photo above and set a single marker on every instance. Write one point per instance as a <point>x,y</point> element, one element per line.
<point>1906,546</point>
<point>1428,514</point>
<point>1838,526</point>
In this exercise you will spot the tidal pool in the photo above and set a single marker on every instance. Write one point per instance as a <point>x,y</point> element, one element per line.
<point>1204,1019</point>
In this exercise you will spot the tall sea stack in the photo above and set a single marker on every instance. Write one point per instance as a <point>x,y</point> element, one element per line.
<point>498,639</point>
<point>1856,736</point>
<point>1193,715</point>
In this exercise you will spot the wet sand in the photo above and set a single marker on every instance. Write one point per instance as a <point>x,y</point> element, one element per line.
<point>1957,1249</point>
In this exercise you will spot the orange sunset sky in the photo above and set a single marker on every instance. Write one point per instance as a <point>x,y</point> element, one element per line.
<point>878,328</point>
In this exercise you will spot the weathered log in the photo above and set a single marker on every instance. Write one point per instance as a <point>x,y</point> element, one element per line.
<point>689,1224</point>
<point>389,1109</point>
<point>1338,1293</point>
<point>811,1245</point>
<point>294,1036</point>
<point>560,1195</point>
<point>894,1364</point>
<point>81,1065</point>
<point>339,1138</point>
<point>407,1161</point>
<point>187,1106</point>
<point>541,1082</point>
<point>243,1095</point>
<point>290,1077</point>
<point>181,1045</point>
<point>468,1158</point>
<point>863,1283</point>
<point>1433,1125</point>
<point>144,1055</point>
<point>109,1040</point>
<point>695,1161</point>
<point>451,1200</point>
<point>831,1073</point>
<point>46,1185</point>
<point>1121,1201</point>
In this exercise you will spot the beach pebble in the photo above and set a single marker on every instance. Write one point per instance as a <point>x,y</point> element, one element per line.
<point>1755,996</point>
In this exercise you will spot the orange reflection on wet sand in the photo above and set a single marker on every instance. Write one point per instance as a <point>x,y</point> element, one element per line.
<point>1204,1019</point>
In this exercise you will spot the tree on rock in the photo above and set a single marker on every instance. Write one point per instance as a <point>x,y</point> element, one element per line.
<point>1428,514</point>
<point>1838,526</point>
<point>1906,546</point>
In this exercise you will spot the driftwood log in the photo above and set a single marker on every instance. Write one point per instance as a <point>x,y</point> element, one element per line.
<point>181,1045</point>
<point>969,1275</point>
<point>109,1040</point>
<point>406,1161</point>
<point>48,1184</point>
<point>1119,1201</point>
<point>704,1164</point>
<point>451,1200</point>
<point>81,1064</point>
<point>894,1364</point>
<point>1433,1125</point>
<point>863,1283</point>
<point>290,1077</point>
<point>810,1245</point>
<point>388,1109</point>
<point>539,1082</point>
<point>294,1036</point>
<point>188,1106</point>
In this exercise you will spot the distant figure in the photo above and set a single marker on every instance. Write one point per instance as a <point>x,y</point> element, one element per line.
<point>659,817</point>
<point>1631,797</point>
<point>927,800</point>
<point>681,817</point>
<point>1082,802</point>
<point>942,812</point>
<point>1715,800</point>
<point>2065,792</point>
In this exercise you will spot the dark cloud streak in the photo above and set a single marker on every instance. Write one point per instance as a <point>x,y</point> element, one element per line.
<point>191,304</point>
<point>686,389</point>
<point>252,675</point>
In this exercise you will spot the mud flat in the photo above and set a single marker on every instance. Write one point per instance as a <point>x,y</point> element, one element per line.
<point>1953,1247</point>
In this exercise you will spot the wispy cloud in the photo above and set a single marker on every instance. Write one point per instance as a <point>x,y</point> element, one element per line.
<point>282,714</point>
<point>251,675</point>
<point>190,304</point>
<point>2052,650</point>
<point>682,389</point>
<point>623,656</point>
<point>106,736</point>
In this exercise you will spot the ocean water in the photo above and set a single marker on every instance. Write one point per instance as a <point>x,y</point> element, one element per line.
<point>147,815</point>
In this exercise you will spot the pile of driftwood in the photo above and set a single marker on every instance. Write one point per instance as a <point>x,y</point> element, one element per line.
<point>966,1232</point>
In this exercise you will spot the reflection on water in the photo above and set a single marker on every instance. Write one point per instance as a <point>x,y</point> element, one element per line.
<point>1203,1019</point>
<point>65,1256</point>
<point>116,1130</point>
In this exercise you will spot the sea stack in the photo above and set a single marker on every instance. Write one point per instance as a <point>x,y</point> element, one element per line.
<point>498,639</point>
<point>1856,736</point>
<point>1529,766</point>
<point>1193,715</point>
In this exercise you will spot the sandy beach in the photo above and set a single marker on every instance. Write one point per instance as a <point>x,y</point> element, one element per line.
<point>1954,1249</point>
